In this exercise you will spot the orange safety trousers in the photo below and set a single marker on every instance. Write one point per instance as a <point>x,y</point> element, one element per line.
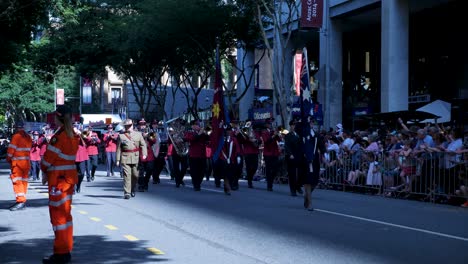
<point>60,200</point>
<point>19,176</point>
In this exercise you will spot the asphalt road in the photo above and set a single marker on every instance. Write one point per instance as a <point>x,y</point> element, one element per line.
<point>174,225</point>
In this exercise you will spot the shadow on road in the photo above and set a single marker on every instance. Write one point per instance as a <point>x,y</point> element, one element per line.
<point>87,249</point>
<point>33,203</point>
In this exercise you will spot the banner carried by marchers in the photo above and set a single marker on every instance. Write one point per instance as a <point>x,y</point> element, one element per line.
<point>219,117</point>
<point>312,13</point>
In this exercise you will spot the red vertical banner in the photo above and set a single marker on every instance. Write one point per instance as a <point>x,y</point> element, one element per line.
<point>312,13</point>
<point>60,96</point>
<point>297,71</point>
<point>219,116</point>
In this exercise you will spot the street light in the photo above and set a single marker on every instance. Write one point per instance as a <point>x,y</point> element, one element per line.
<point>55,85</point>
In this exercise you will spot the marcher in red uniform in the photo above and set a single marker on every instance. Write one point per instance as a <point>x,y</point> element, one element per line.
<point>80,160</point>
<point>35,157</point>
<point>110,141</point>
<point>271,152</point>
<point>198,139</point>
<point>250,142</point>
<point>60,172</point>
<point>147,164</point>
<point>92,145</point>
<point>18,157</point>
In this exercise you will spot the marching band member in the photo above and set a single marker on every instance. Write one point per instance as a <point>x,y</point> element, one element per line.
<point>92,146</point>
<point>249,142</point>
<point>35,157</point>
<point>110,141</point>
<point>146,163</point>
<point>159,150</point>
<point>271,152</point>
<point>198,139</point>
<point>81,160</point>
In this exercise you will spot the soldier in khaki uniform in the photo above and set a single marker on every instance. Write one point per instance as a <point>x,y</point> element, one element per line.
<point>128,154</point>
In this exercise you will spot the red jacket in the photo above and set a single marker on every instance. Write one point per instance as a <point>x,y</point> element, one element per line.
<point>34,154</point>
<point>82,153</point>
<point>92,143</point>
<point>231,150</point>
<point>110,141</point>
<point>270,143</point>
<point>149,149</point>
<point>248,146</point>
<point>42,145</point>
<point>198,142</point>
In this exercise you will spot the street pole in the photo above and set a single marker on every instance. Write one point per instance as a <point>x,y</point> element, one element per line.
<point>55,92</point>
<point>80,94</point>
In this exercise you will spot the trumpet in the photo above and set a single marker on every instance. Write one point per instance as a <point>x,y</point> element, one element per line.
<point>151,136</point>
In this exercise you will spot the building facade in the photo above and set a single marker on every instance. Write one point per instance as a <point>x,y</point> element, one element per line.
<point>385,55</point>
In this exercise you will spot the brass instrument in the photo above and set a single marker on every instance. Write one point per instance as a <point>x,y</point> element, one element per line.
<point>151,136</point>
<point>176,135</point>
<point>248,133</point>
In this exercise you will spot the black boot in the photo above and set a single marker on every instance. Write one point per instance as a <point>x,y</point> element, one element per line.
<point>18,206</point>
<point>57,259</point>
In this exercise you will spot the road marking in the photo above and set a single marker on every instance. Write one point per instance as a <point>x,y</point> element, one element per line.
<point>131,238</point>
<point>111,227</point>
<point>45,194</point>
<point>83,212</point>
<point>95,219</point>
<point>155,251</point>
<point>395,225</point>
<point>72,206</point>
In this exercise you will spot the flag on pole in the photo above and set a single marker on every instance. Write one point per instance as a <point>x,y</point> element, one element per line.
<point>305,96</point>
<point>219,116</point>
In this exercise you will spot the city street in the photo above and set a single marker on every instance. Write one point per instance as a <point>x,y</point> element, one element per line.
<point>174,225</point>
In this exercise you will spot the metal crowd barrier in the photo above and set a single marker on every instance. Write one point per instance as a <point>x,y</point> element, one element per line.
<point>429,176</point>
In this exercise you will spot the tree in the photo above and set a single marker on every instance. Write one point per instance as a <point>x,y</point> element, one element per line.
<point>277,19</point>
<point>28,94</point>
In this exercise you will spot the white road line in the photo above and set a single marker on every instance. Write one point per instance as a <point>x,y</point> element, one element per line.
<point>395,225</point>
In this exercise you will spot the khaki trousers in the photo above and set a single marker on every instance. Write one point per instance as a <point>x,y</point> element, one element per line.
<point>130,176</point>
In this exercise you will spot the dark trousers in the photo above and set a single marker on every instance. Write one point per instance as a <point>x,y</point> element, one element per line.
<point>158,164</point>
<point>35,169</point>
<point>237,173</point>
<point>208,168</point>
<point>81,169</point>
<point>271,168</point>
<point>251,166</point>
<point>92,165</point>
<point>146,171</point>
<point>179,167</point>
<point>295,169</point>
<point>197,170</point>
<point>110,162</point>
<point>219,171</point>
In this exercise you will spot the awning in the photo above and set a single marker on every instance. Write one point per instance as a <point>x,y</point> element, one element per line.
<point>100,119</point>
<point>438,108</point>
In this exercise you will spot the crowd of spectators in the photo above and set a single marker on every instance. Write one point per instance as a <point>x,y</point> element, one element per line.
<point>420,162</point>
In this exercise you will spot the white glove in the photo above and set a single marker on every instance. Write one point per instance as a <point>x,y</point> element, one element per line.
<point>228,161</point>
<point>117,163</point>
<point>238,160</point>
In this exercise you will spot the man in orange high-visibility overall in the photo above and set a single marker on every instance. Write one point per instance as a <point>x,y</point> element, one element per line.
<point>18,157</point>
<point>59,168</point>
